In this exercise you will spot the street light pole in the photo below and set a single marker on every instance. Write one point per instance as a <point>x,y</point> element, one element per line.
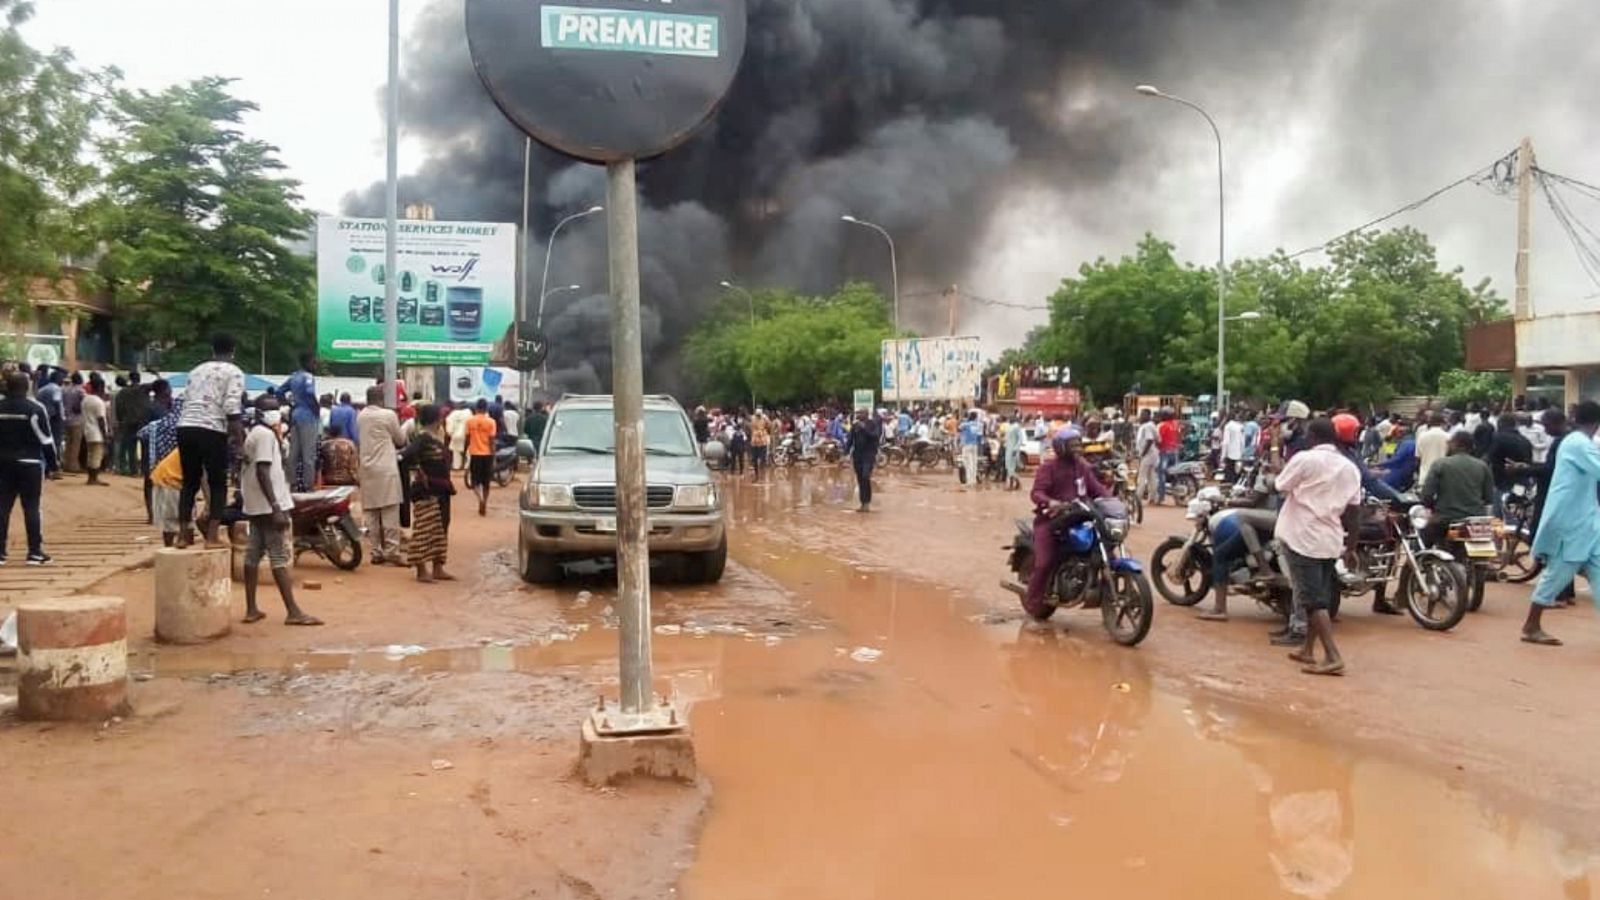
<point>728,285</point>
<point>544,282</point>
<point>562,289</point>
<point>894,272</point>
<point>894,265</point>
<point>1222,231</point>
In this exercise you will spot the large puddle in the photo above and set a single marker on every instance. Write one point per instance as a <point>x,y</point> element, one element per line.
<point>909,748</point>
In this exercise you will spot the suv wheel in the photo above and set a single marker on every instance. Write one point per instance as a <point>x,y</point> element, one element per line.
<point>537,568</point>
<point>707,567</point>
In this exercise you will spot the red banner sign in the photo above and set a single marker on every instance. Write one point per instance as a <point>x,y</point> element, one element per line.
<point>1046,399</point>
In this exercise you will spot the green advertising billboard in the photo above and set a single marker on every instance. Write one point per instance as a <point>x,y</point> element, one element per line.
<point>457,287</point>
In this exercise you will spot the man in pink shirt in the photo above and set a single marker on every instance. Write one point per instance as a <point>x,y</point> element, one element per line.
<point>1321,501</point>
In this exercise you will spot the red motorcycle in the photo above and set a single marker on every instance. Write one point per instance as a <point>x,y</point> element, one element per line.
<point>323,525</point>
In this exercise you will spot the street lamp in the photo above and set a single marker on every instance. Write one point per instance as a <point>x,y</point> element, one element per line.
<point>894,265</point>
<point>730,286</point>
<point>559,290</point>
<point>1250,316</point>
<point>544,281</point>
<point>1222,230</point>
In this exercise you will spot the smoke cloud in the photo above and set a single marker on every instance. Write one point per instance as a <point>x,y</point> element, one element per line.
<point>998,141</point>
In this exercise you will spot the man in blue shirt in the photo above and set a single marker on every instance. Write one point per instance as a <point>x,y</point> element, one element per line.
<point>1568,539</point>
<point>904,424</point>
<point>1401,469</point>
<point>971,435</point>
<point>305,423</point>
<point>344,416</point>
<point>1252,437</point>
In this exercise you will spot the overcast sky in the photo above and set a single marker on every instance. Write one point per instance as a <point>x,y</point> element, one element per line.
<point>315,67</point>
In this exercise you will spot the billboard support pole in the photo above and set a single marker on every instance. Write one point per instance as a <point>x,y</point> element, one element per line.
<point>525,394</point>
<point>627,386</point>
<point>391,213</point>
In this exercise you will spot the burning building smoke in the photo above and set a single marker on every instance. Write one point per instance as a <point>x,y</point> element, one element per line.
<point>932,118</point>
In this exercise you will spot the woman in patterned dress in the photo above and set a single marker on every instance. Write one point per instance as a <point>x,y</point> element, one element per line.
<point>428,457</point>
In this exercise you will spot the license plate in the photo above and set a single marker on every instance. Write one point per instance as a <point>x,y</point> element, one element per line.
<point>605,526</point>
<point>1481,549</point>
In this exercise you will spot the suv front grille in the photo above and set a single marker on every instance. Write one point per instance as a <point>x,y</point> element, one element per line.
<point>604,496</point>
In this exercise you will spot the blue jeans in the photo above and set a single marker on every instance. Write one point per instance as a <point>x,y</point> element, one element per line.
<point>1168,460</point>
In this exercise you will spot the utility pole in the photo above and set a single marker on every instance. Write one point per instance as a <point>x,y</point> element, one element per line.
<point>391,214</point>
<point>953,295</point>
<point>1524,301</point>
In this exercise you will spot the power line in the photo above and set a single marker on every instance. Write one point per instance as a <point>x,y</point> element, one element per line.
<point>1587,250</point>
<point>1480,175</point>
<point>982,301</point>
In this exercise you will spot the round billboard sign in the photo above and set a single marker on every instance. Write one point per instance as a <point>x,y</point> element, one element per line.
<point>533,347</point>
<point>607,80</point>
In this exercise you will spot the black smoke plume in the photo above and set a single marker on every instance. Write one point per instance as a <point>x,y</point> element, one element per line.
<point>920,115</point>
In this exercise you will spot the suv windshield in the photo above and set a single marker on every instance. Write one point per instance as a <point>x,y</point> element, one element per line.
<point>589,431</point>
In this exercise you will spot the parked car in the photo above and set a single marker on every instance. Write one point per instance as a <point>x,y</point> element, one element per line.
<point>569,505</point>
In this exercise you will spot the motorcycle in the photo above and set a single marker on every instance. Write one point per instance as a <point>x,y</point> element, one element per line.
<point>322,524</point>
<point>1391,549</point>
<point>1184,480</point>
<point>1516,563</point>
<point>1091,570</point>
<point>1475,544</point>
<point>828,452</point>
<point>929,454</point>
<point>1115,474</point>
<point>1181,566</point>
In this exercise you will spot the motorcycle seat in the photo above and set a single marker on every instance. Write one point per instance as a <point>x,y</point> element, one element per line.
<point>317,496</point>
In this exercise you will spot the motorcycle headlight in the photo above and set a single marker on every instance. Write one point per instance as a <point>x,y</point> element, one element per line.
<point>551,496</point>
<point>1420,517</point>
<point>696,496</point>
<point>1198,509</point>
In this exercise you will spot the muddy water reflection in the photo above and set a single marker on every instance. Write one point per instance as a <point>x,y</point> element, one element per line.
<point>987,761</point>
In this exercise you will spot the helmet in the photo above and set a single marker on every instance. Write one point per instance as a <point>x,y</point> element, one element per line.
<point>1058,442</point>
<point>1294,409</point>
<point>1347,427</point>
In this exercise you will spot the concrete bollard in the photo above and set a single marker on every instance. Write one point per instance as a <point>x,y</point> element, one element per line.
<point>72,659</point>
<point>194,595</point>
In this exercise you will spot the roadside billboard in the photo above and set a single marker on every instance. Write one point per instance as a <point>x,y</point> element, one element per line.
<point>457,285</point>
<point>943,369</point>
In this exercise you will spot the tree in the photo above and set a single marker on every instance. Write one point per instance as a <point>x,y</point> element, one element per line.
<point>1381,319</point>
<point>199,223</point>
<point>798,349</point>
<point>45,116</point>
<point>1459,387</point>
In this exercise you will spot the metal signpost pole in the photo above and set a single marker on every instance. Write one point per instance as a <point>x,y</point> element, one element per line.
<point>391,212</point>
<point>627,387</point>
<point>525,395</point>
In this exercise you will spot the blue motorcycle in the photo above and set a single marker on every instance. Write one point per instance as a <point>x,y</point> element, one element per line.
<point>1091,568</point>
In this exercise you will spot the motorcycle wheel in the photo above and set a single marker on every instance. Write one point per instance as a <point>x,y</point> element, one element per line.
<point>1437,600</point>
<point>1518,565</point>
<point>896,456</point>
<point>1183,488</point>
<point>502,477</point>
<point>340,549</point>
<point>1477,576</point>
<point>1129,611</point>
<point>1187,586</point>
<point>1135,507</point>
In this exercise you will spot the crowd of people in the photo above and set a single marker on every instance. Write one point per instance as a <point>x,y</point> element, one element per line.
<point>215,457</point>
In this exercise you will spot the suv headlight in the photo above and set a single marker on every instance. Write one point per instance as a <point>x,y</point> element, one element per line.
<point>551,496</point>
<point>696,496</point>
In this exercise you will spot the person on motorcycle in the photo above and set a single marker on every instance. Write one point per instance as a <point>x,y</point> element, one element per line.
<point>1460,486</point>
<point>1060,482</point>
<point>1349,429</point>
<point>1291,436</point>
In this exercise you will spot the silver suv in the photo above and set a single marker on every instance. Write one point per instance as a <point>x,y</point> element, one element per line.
<point>569,506</point>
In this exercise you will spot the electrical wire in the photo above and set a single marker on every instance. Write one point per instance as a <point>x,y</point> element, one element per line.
<point>1479,175</point>
<point>1587,249</point>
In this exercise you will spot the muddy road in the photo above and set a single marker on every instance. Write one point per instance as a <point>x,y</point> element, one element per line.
<point>873,720</point>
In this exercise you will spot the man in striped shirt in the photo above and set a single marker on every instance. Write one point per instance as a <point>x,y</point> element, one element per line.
<point>27,452</point>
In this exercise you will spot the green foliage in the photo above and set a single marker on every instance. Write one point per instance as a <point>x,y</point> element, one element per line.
<point>797,348</point>
<point>1459,387</point>
<point>45,116</point>
<point>1380,319</point>
<point>198,219</point>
